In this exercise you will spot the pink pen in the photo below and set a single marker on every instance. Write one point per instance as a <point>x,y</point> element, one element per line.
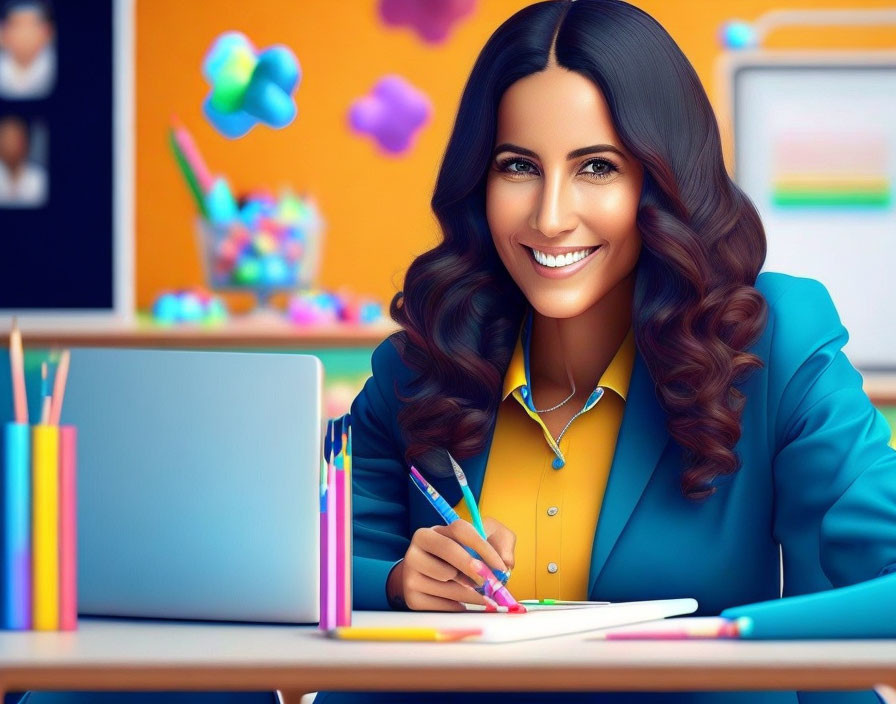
<point>496,590</point>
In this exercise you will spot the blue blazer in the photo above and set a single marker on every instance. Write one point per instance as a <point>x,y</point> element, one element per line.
<point>817,481</point>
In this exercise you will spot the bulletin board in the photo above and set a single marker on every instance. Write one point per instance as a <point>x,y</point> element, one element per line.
<point>814,141</point>
<point>66,227</point>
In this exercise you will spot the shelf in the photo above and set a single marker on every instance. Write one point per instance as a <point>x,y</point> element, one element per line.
<point>236,333</point>
<point>880,387</point>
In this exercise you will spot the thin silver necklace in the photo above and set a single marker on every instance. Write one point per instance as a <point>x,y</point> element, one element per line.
<point>566,400</point>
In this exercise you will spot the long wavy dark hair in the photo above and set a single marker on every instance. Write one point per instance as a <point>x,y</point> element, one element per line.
<point>695,308</point>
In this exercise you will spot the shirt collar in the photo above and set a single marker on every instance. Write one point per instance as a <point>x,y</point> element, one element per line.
<point>616,376</point>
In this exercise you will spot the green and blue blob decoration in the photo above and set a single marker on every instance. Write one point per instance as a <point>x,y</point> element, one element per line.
<point>247,86</point>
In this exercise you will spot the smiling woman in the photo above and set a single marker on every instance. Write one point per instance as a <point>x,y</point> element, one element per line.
<point>639,413</point>
<point>565,145</point>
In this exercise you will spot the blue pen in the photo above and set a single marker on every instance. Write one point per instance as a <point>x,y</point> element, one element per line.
<point>448,514</point>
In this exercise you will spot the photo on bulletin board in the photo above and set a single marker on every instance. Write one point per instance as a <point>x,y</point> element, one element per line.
<point>815,150</point>
<point>23,163</point>
<point>66,164</point>
<point>27,49</point>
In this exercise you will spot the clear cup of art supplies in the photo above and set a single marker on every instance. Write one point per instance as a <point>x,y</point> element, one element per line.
<point>261,244</point>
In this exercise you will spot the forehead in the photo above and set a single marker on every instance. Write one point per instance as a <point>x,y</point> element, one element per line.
<point>555,108</point>
<point>24,13</point>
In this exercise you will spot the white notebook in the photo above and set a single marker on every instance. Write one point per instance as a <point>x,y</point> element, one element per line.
<point>537,623</point>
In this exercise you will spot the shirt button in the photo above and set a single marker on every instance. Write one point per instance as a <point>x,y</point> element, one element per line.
<point>557,463</point>
<point>525,392</point>
<point>552,511</point>
<point>552,567</point>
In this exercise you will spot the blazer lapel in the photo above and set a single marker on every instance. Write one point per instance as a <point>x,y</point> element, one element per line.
<point>642,437</point>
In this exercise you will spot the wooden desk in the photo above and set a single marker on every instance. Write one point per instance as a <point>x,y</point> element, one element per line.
<point>107,654</point>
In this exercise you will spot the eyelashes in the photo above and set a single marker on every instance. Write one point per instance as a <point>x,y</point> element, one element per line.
<point>609,168</point>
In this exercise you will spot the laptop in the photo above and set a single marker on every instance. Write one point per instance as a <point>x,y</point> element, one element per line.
<point>198,483</point>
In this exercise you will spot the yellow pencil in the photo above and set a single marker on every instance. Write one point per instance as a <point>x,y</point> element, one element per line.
<point>401,633</point>
<point>45,527</point>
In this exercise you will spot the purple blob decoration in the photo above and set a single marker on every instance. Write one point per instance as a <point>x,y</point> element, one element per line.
<point>433,20</point>
<point>392,114</point>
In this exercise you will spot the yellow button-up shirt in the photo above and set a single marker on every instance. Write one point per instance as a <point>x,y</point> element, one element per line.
<point>549,491</point>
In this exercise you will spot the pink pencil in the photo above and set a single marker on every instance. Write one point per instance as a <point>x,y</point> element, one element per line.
<point>713,628</point>
<point>192,155</point>
<point>68,522</point>
<point>339,462</point>
<point>331,545</point>
<point>59,388</point>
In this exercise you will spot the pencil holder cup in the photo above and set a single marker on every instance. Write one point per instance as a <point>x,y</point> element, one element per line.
<point>39,566</point>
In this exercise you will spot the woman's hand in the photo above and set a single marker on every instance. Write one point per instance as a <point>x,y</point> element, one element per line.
<point>437,574</point>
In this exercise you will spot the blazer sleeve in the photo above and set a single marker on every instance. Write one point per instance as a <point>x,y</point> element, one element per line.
<point>379,484</point>
<point>835,474</point>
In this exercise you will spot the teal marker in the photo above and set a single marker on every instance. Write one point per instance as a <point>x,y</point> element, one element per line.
<point>474,511</point>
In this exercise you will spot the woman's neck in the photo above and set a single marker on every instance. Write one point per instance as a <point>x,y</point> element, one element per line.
<point>585,343</point>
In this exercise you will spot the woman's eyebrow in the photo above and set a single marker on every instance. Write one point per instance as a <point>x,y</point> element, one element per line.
<point>575,153</point>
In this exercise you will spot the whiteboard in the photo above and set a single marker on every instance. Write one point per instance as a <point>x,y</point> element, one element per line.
<point>815,150</point>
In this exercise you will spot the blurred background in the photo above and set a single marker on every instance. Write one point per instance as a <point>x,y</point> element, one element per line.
<point>257,175</point>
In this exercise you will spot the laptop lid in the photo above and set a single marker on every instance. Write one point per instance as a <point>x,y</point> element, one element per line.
<point>198,483</point>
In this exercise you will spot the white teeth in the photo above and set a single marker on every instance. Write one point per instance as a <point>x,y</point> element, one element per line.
<point>561,259</point>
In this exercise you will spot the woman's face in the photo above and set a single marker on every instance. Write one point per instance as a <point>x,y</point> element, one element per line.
<point>562,193</point>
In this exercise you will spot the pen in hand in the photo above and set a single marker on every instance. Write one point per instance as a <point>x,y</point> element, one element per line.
<point>494,589</point>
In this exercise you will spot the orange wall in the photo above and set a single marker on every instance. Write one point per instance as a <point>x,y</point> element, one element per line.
<point>377,208</point>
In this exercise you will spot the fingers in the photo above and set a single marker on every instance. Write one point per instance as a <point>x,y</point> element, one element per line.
<point>502,539</point>
<point>420,584</point>
<point>424,602</point>
<point>436,568</point>
<point>439,572</point>
<point>464,533</point>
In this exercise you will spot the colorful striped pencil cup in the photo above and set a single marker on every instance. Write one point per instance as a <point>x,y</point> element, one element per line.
<point>16,512</point>
<point>39,568</point>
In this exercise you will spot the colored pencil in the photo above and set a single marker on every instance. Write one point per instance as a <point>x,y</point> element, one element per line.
<point>347,564</point>
<point>68,525</point>
<point>399,633</point>
<point>17,369</point>
<point>193,157</point>
<point>331,539</point>
<point>561,602</point>
<point>16,529</point>
<point>339,463</point>
<point>712,627</point>
<point>59,387</point>
<point>185,169</point>
<point>325,533</point>
<point>45,527</point>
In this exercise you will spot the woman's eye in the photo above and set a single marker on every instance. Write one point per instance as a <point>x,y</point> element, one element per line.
<point>603,168</point>
<point>506,164</point>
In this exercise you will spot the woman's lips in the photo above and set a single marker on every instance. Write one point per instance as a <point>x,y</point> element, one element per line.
<point>561,272</point>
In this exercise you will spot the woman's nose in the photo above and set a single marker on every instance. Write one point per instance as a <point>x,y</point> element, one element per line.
<point>555,211</point>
